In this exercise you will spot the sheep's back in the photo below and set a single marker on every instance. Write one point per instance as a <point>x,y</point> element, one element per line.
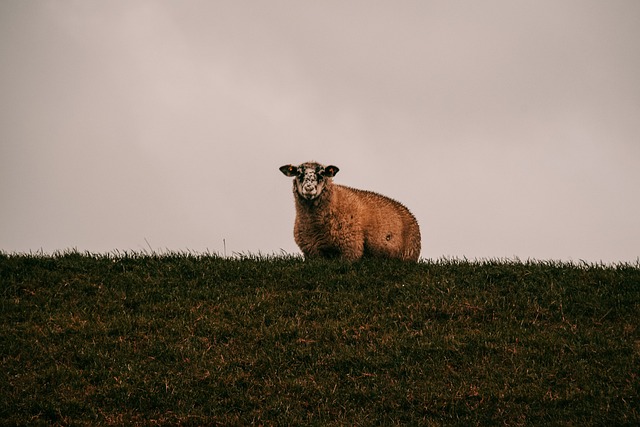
<point>389,228</point>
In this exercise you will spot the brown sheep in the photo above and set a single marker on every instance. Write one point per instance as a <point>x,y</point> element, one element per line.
<point>335,221</point>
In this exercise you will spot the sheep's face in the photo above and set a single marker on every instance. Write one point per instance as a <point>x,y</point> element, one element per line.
<point>310,178</point>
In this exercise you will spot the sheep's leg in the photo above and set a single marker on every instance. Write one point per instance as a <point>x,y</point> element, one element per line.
<point>352,249</point>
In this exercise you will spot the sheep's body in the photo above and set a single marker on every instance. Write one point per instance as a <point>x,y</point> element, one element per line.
<point>339,221</point>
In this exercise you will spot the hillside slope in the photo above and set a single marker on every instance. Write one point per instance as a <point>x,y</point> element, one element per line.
<point>193,340</point>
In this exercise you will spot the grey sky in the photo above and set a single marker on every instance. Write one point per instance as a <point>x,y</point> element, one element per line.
<point>508,128</point>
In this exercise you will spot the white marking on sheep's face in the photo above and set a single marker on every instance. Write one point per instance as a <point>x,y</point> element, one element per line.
<point>310,178</point>
<point>310,182</point>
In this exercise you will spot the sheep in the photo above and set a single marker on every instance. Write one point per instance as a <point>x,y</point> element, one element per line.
<point>336,221</point>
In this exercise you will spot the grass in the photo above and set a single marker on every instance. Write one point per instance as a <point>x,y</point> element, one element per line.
<point>183,339</point>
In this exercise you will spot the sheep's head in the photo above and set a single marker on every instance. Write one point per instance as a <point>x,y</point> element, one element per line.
<point>310,178</point>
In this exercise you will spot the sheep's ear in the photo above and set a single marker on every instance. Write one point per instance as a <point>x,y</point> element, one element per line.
<point>330,171</point>
<point>289,170</point>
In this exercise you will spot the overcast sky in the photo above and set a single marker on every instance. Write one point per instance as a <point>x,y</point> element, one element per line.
<point>509,128</point>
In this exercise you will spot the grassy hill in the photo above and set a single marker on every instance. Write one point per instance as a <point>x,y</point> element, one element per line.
<point>202,340</point>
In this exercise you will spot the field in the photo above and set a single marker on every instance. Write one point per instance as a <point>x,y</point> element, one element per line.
<point>186,339</point>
